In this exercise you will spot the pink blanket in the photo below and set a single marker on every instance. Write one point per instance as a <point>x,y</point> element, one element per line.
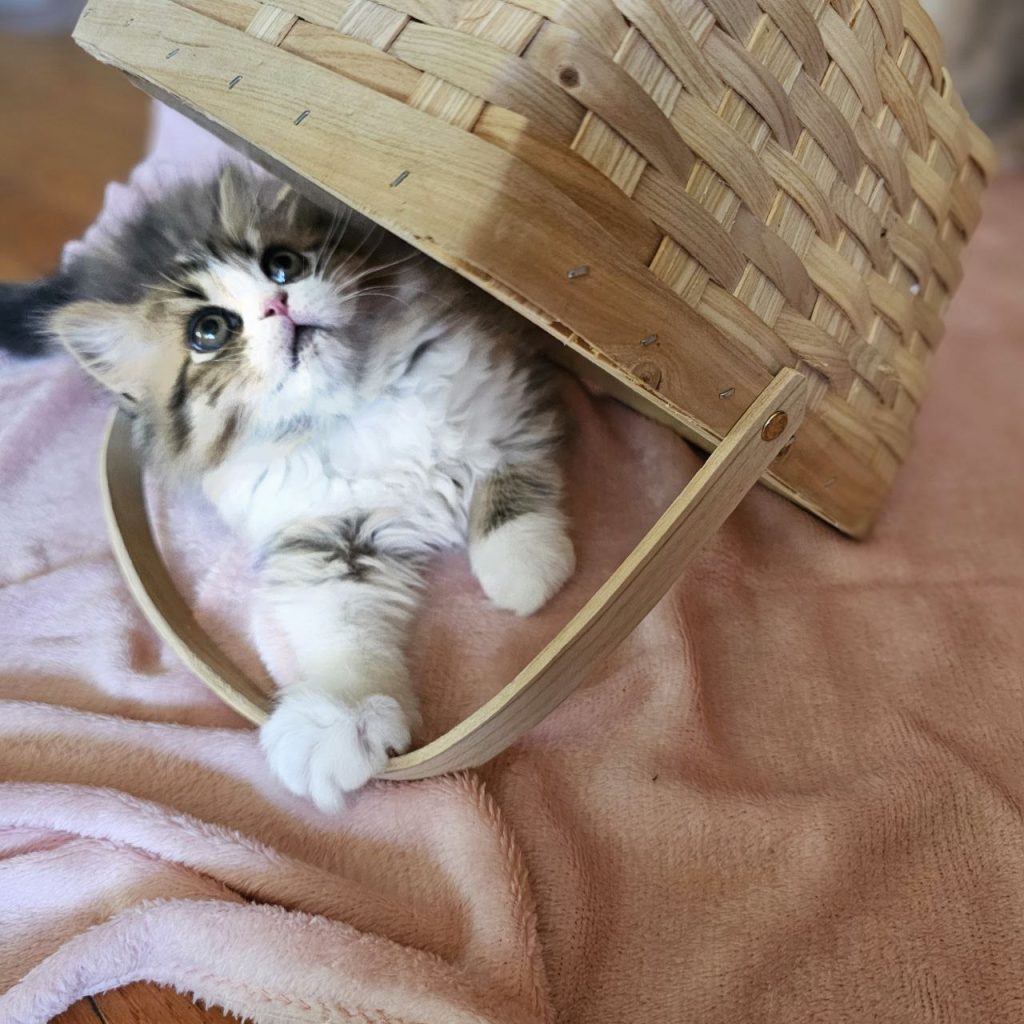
<point>794,794</point>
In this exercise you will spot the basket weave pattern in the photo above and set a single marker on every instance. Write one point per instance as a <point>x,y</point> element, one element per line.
<point>800,173</point>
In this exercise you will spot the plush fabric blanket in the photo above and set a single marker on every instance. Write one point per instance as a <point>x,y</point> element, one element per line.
<point>794,794</point>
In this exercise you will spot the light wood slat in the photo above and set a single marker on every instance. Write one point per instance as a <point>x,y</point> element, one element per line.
<point>928,324</point>
<point>853,60</point>
<point>567,59</point>
<point>911,249</point>
<point>816,348</point>
<point>271,24</point>
<point>964,208</point>
<point>725,152</point>
<point>834,276</point>
<point>676,47</point>
<point>945,269</point>
<point>913,375</point>
<point>597,20</point>
<point>797,25</point>
<point>586,186</point>
<point>929,186</point>
<point>236,13</point>
<point>737,17</point>
<point>830,129</point>
<point>748,77</point>
<point>600,143</point>
<point>495,22</point>
<point>895,303</point>
<point>903,103</point>
<point>887,163</point>
<point>371,22</point>
<point>501,22</point>
<point>486,70</point>
<point>925,35</point>
<point>775,259</point>
<point>890,17</point>
<point>726,312</point>
<point>793,179</point>
<point>892,431</point>
<point>325,13</point>
<point>607,618</point>
<point>686,276</point>
<point>945,123</point>
<point>871,367</point>
<point>862,222</point>
<point>442,13</point>
<point>356,60</point>
<point>686,221</point>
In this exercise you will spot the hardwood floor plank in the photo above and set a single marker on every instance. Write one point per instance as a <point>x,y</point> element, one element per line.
<point>147,1004</point>
<point>83,1012</point>
<point>70,127</point>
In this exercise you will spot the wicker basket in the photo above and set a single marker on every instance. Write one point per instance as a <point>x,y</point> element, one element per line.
<point>734,214</point>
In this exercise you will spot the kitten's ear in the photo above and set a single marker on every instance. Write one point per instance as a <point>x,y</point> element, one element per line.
<point>287,203</point>
<point>107,339</point>
<point>234,199</point>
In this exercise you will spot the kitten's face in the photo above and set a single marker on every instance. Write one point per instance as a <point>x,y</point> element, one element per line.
<point>256,314</point>
<point>268,321</point>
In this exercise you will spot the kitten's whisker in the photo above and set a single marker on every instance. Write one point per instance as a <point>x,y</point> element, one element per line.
<point>372,289</point>
<point>351,255</point>
<point>376,292</point>
<point>361,275</point>
<point>170,280</point>
<point>364,260</point>
<point>162,288</point>
<point>330,243</point>
<point>375,230</point>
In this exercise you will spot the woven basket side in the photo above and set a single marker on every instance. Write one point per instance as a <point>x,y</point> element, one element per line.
<point>800,173</point>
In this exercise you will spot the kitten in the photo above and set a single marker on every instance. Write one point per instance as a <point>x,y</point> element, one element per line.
<point>350,408</point>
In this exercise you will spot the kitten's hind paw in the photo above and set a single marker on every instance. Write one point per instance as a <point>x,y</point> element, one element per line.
<point>321,748</point>
<point>523,563</point>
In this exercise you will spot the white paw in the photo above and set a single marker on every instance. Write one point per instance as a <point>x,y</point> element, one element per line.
<point>524,563</point>
<point>321,748</point>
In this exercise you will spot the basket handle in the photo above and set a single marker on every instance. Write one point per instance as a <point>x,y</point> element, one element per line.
<point>604,621</point>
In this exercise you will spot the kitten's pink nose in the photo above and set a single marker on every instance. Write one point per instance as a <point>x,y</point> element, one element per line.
<point>277,306</point>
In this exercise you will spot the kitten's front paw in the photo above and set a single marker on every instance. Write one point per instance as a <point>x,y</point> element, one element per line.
<point>320,747</point>
<point>524,563</point>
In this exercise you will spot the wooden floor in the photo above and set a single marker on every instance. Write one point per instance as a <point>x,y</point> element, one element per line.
<point>69,127</point>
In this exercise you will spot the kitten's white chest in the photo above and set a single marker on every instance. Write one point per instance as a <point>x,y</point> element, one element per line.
<point>398,457</point>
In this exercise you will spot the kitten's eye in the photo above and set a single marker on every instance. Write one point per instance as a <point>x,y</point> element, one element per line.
<point>212,328</point>
<point>283,265</point>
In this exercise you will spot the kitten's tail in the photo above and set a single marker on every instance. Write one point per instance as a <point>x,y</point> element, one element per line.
<point>23,312</point>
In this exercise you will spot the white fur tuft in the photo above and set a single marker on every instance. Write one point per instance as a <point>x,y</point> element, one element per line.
<point>321,748</point>
<point>524,563</point>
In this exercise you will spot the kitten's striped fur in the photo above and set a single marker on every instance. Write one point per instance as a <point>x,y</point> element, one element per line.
<point>369,412</point>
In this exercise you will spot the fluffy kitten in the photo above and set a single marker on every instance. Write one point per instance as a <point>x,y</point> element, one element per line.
<point>350,408</point>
